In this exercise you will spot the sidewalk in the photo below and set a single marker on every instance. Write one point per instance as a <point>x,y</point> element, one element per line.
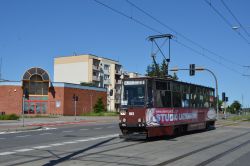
<point>36,123</point>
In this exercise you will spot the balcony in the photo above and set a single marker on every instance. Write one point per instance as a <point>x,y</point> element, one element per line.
<point>118,81</point>
<point>118,72</point>
<point>107,81</point>
<point>96,67</point>
<point>118,91</point>
<point>117,98</point>
<point>96,78</point>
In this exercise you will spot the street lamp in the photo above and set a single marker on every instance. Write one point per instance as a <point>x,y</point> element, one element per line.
<point>216,84</point>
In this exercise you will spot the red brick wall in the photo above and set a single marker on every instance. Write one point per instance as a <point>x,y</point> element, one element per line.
<point>59,104</point>
<point>11,99</point>
<point>84,103</point>
<point>56,101</point>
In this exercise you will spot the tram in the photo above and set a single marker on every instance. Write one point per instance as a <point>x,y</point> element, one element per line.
<point>152,107</point>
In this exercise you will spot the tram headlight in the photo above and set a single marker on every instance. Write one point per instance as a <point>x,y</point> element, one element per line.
<point>139,120</point>
<point>122,112</point>
<point>124,120</point>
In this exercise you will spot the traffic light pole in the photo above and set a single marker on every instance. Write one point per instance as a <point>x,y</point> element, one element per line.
<point>75,109</point>
<point>216,86</point>
<point>217,94</point>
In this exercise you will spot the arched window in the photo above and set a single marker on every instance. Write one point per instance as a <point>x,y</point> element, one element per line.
<point>36,81</point>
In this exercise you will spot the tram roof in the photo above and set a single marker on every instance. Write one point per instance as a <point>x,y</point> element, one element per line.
<point>166,79</point>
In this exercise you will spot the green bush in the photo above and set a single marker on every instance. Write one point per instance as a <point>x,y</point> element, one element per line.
<point>9,117</point>
<point>99,106</point>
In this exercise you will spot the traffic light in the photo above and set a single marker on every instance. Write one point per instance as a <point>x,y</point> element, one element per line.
<point>226,99</point>
<point>75,98</point>
<point>223,96</point>
<point>192,69</point>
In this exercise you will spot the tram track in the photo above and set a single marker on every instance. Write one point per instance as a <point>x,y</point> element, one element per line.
<point>223,154</point>
<point>208,147</point>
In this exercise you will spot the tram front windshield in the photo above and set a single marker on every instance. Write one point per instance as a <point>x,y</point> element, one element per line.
<point>133,95</point>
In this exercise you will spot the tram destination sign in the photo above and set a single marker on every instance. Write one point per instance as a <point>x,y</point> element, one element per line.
<point>133,82</point>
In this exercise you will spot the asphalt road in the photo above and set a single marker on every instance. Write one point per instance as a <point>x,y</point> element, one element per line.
<point>100,145</point>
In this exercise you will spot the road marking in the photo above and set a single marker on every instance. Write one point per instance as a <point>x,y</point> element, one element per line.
<point>2,138</point>
<point>69,142</point>
<point>22,136</point>
<point>41,147</point>
<point>14,132</point>
<point>23,150</point>
<point>6,153</point>
<point>45,133</point>
<point>98,128</point>
<point>58,144</point>
<point>111,127</point>
<point>84,129</point>
<point>68,131</point>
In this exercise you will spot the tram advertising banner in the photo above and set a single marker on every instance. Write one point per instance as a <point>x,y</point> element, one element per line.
<point>168,116</point>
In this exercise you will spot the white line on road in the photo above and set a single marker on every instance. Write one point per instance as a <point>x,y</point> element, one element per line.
<point>41,147</point>
<point>84,129</point>
<point>22,136</point>
<point>58,144</point>
<point>111,127</point>
<point>6,153</point>
<point>99,128</point>
<point>14,132</point>
<point>69,142</point>
<point>68,131</point>
<point>23,150</point>
<point>45,133</point>
<point>2,138</point>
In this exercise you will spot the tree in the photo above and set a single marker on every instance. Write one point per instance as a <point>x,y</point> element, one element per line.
<point>153,70</point>
<point>99,106</point>
<point>235,107</point>
<point>175,77</point>
<point>164,69</point>
<point>87,84</point>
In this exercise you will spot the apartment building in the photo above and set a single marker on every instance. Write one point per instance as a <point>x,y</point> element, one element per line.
<point>87,68</point>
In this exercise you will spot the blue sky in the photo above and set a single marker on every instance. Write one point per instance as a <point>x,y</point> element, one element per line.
<point>34,32</point>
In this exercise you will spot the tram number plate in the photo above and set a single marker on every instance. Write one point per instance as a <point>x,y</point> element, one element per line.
<point>131,113</point>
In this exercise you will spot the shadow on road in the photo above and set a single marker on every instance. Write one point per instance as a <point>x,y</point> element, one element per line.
<point>54,162</point>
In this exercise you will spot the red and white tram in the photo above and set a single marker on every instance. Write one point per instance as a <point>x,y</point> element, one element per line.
<point>153,107</point>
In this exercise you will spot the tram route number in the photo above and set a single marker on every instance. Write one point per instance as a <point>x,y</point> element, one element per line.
<point>131,113</point>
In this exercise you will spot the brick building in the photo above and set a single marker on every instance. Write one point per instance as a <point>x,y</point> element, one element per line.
<point>45,97</point>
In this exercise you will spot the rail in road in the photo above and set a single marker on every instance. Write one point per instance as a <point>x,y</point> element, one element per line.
<point>207,147</point>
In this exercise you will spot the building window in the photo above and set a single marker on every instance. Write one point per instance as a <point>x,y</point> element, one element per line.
<point>106,77</point>
<point>106,67</point>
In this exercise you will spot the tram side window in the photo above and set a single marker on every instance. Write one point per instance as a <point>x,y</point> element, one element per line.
<point>206,99</point>
<point>163,94</point>
<point>176,99</point>
<point>150,94</point>
<point>192,96</point>
<point>185,100</point>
